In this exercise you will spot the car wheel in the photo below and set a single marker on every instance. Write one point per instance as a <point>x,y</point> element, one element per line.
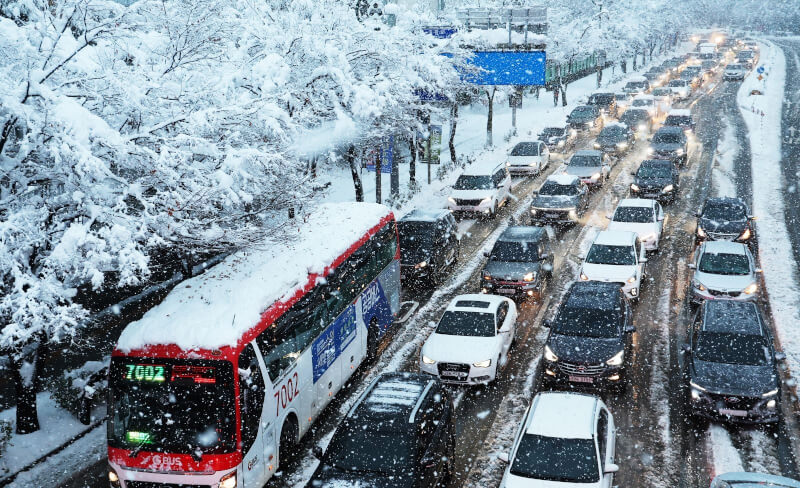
<point>287,448</point>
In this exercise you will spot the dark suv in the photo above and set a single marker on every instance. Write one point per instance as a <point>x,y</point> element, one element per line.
<point>725,219</point>
<point>670,143</point>
<point>399,433</point>
<point>520,263</point>
<point>429,245</point>
<point>606,102</point>
<point>656,178</point>
<point>561,200</point>
<point>730,365</point>
<point>585,117</point>
<point>590,338</point>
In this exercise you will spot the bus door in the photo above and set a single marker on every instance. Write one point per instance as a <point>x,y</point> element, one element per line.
<point>252,391</point>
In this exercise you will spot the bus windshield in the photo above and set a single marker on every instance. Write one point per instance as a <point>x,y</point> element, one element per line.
<point>172,406</point>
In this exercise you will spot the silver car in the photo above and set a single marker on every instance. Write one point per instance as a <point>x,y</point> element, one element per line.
<point>724,271</point>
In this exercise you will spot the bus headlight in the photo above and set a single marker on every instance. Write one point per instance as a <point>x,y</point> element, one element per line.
<point>483,364</point>
<point>751,288</point>
<point>228,481</point>
<point>113,479</point>
<point>427,360</point>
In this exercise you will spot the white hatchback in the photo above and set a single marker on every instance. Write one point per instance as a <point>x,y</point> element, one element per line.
<point>472,340</point>
<point>566,440</point>
<point>643,216</point>
<point>528,157</point>
<point>616,257</point>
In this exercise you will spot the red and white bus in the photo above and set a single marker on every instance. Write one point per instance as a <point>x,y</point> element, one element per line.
<point>223,377</point>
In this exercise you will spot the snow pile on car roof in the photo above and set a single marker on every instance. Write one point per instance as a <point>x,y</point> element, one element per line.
<point>562,179</point>
<point>214,309</point>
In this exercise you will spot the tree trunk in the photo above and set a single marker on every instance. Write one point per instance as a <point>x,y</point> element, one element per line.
<point>624,65</point>
<point>350,157</point>
<point>378,171</point>
<point>599,76</point>
<point>26,372</point>
<point>453,123</point>
<point>187,264</point>
<point>634,60</point>
<point>490,97</point>
<point>412,164</point>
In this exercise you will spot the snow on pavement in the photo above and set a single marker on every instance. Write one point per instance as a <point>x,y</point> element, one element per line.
<point>723,455</point>
<point>722,171</point>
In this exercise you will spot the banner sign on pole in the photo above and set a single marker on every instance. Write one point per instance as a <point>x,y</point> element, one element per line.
<point>386,149</point>
<point>435,145</point>
<point>523,68</point>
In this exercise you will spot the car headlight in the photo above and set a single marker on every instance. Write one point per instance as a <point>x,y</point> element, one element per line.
<point>420,265</point>
<point>642,127</point>
<point>679,152</point>
<point>649,237</point>
<point>770,393</point>
<point>486,200</point>
<point>533,211</point>
<point>617,359</point>
<point>622,145</point>
<point>483,364</point>
<point>508,163</point>
<point>549,355</point>
<point>584,277</point>
<point>228,481</point>
<point>451,200</point>
<point>667,189</point>
<point>427,360</point>
<point>596,176</point>
<point>572,214</point>
<point>771,404</point>
<point>597,145</point>
<point>698,285</point>
<point>635,187</point>
<point>751,288</point>
<point>650,150</point>
<point>632,279</point>
<point>700,231</point>
<point>696,386</point>
<point>561,143</point>
<point>529,277</point>
<point>745,235</point>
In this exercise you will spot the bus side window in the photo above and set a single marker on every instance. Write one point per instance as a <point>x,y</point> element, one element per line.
<point>251,396</point>
<point>278,347</point>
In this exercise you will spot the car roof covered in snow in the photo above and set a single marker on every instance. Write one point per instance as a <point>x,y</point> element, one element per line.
<point>731,316</point>
<point>215,309</point>
<point>564,415</point>
<point>723,247</point>
<point>425,215</point>
<point>476,302</point>
<point>636,202</point>
<point>681,112</point>
<point>481,168</point>
<point>615,238</point>
<point>636,79</point>
<point>563,179</point>
<point>392,396</point>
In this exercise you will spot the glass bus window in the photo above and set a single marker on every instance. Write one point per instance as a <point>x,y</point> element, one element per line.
<point>251,396</point>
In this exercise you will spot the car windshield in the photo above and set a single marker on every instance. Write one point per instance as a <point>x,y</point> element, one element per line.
<point>583,110</point>
<point>173,406</point>
<point>552,132</point>
<point>371,448</point>
<point>551,188</point>
<point>677,83</point>
<point>677,120</point>
<point>513,251</point>
<point>470,324</point>
<point>636,85</point>
<point>614,255</point>
<point>731,348</point>
<point>634,116</point>
<point>556,459</point>
<point>734,66</point>
<point>581,161</point>
<point>588,322</point>
<point>662,92</point>
<point>633,214</point>
<point>660,171</point>
<point>728,212</point>
<point>667,138</point>
<point>414,235</point>
<point>526,149</point>
<point>613,131</point>
<point>473,182</point>
<point>724,264</point>
<point>642,102</point>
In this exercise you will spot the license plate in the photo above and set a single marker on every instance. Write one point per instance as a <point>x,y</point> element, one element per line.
<point>733,413</point>
<point>506,291</point>
<point>551,215</point>
<point>650,195</point>
<point>453,374</point>
<point>581,379</point>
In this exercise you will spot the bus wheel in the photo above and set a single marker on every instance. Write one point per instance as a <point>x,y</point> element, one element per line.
<point>372,340</point>
<point>288,443</point>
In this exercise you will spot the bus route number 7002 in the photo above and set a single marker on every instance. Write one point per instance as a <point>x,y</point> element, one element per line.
<point>289,390</point>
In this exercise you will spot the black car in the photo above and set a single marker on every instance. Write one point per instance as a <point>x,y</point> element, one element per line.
<point>670,143</point>
<point>520,263</point>
<point>730,364</point>
<point>638,119</point>
<point>399,433</point>
<point>615,139</point>
<point>585,117</point>
<point>558,138</point>
<point>725,219</point>
<point>429,244</point>
<point>680,118</point>
<point>561,200</point>
<point>590,338</point>
<point>656,178</point>
<point>606,102</point>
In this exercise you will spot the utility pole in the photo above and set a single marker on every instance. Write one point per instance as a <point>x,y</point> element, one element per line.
<point>395,175</point>
<point>430,154</point>
<point>378,170</point>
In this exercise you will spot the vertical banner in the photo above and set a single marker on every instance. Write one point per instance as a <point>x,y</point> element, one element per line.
<point>432,148</point>
<point>386,151</point>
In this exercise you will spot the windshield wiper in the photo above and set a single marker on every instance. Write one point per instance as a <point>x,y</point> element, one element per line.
<point>136,450</point>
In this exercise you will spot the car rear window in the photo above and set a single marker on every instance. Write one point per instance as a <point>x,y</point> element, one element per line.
<point>581,161</point>
<point>556,459</point>
<point>677,120</point>
<point>667,138</point>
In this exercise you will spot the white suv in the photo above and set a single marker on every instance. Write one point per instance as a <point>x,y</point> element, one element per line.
<point>528,157</point>
<point>472,340</point>
<point>640,215</point>
<point>616,257</point>
<point>481,189</point>
<point>565,440</point>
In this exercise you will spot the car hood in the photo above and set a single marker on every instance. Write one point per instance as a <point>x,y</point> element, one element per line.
<point>640,229</point>
<point>471,194</point>
<point>605,141</point>
<point>524,159</point>
<point>723,226</point>
<point>328,477</point>
<point>588,350</point>
<point>652,182</point>
<point>608,272</point>
<point>724,282</point>
<point>734,379</point>
<point>666,147</point>
<point>555,201</point>
<point>510,271</point>
<point>582,171</point>
<point>461,349</point>
<point>511,481</point>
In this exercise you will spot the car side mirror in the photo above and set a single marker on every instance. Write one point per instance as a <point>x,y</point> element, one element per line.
<point>779,356</point>
<point>609,216</point>
<point>698,214</point>
<point>629,329</point>
<point>503,456</point>
<point>611,468</point>
<point>547,323</point>
<point>317,452</point>
<point>752,217</point>
<point>544,256</point>
<point>633,173</point>
<point>686,348</point>
<point>428,461</point>
<point>691,265</point>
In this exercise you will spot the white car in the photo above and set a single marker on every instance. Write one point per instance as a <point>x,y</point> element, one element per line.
<point>663,96</point>
<point>472,340</point>
<point>566,440</point>
<point>643,216</point>
<point>529,157</point>
<point>734,72</point>
<point>646,102</point>
<point>724,270</point>
<point>681,89</point>
<point>617,257</point>
<point>481,189</point>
